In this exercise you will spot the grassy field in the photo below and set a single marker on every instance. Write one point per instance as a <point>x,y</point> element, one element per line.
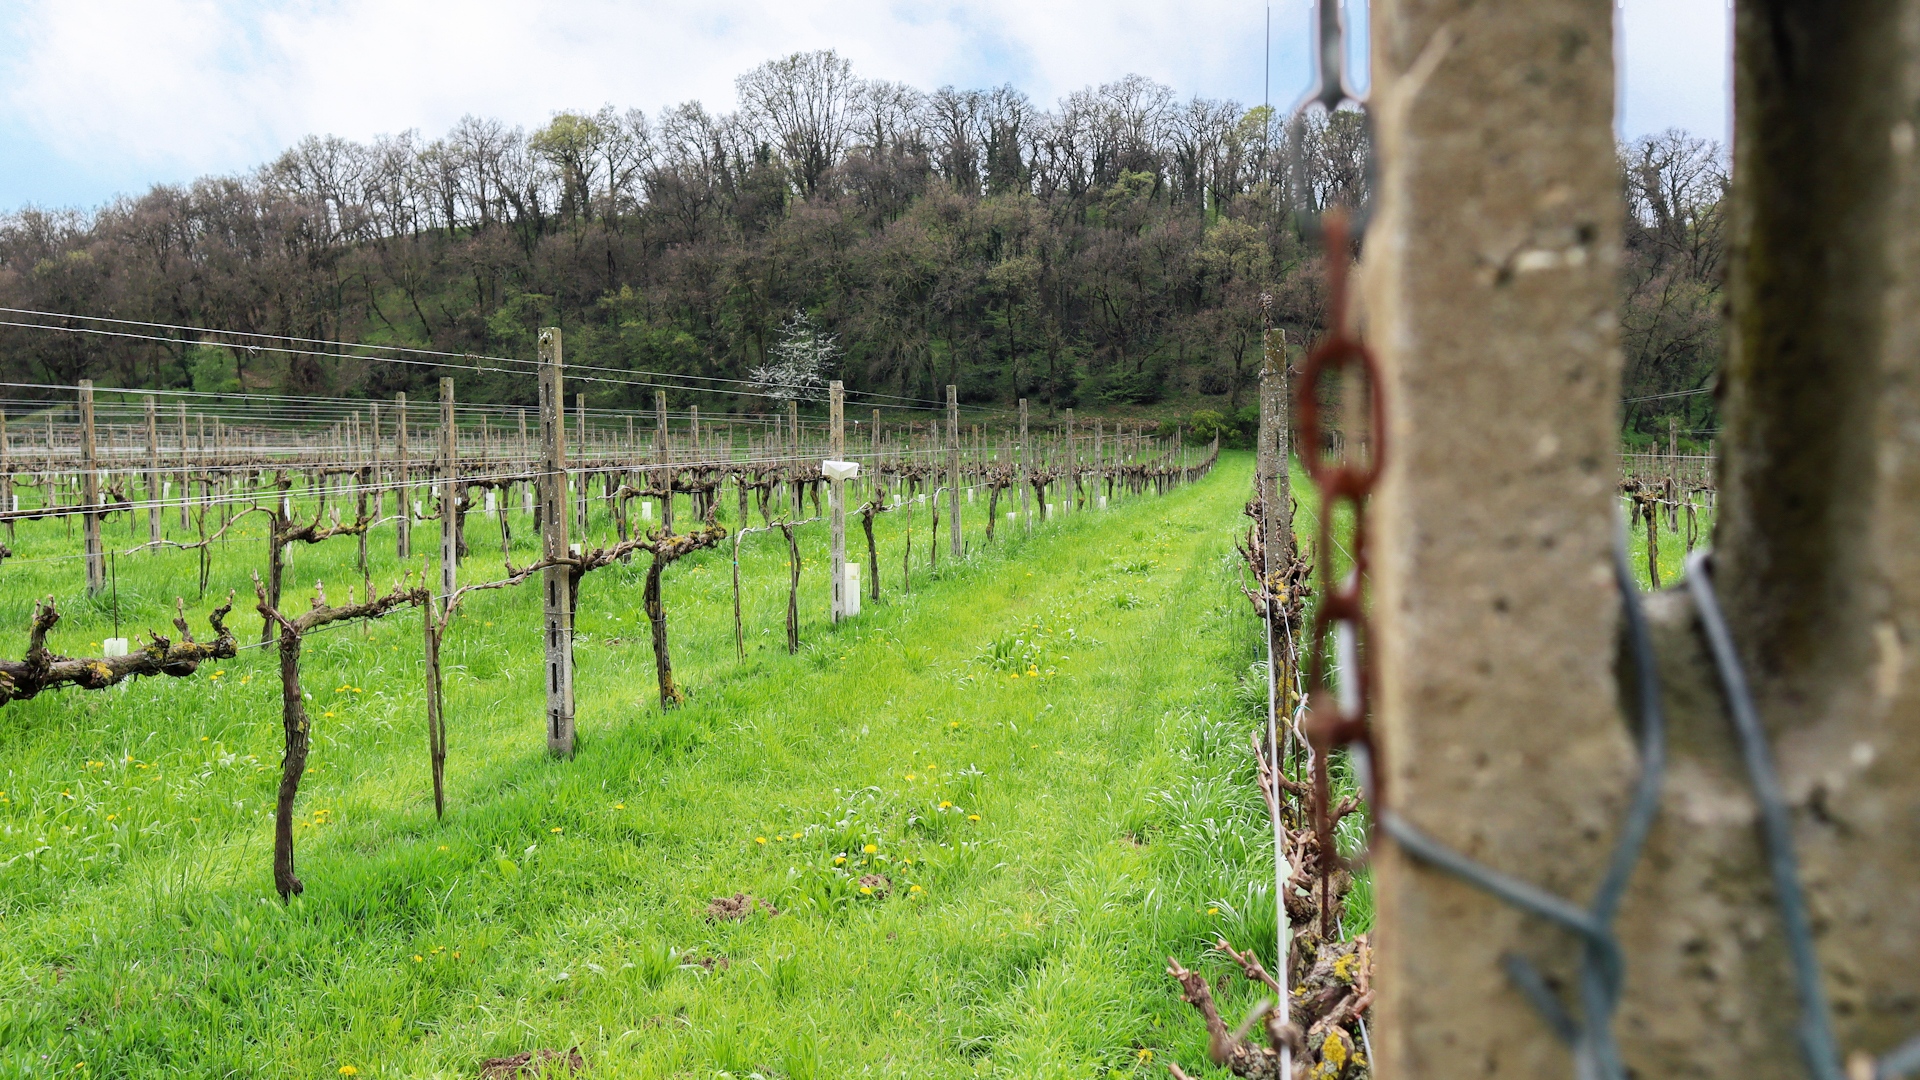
<point>1039,755</point>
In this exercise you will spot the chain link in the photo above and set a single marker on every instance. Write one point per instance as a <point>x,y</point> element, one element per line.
<point>1341,617</point>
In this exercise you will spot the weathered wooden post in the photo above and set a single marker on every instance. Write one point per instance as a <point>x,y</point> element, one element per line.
<point>153,472</point>
<point>953,469</point>
<point>1816,564</point>
<point>1491,266</point>
<point>450,495</point>
<point>837,500</point>
<point>403,538</point>
<point>557,580</point>
<point>90,487</point>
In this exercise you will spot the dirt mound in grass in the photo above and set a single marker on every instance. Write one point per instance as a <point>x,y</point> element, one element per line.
<point>735,907</point>
<point>533,1063</point>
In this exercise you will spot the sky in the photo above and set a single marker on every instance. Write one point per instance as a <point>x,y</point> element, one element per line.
<point>100,98</point>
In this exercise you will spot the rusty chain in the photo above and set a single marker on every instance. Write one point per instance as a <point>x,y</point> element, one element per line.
<point>1341,614</point>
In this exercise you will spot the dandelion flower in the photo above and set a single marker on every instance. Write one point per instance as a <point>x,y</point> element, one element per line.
<point>442,847</point>
<point>871,848</point>
<point>113,817</point>
<point>973,817</point>
<point>759,839</point>
<point>619,806</point>
<point>915,889</point>
<point>908,862</point>
<point>1213,911</point>
<point>1146,1055</point>
<point>866,890</point>
<point>556,829</point>
<point>945,805</point>
<point>456,954</point>
<point>910,776</point>
<point>417,959</point>
<point>839,859</point>
<point>203,738</point>
<point>348,1070</point>
<point>781,836</point>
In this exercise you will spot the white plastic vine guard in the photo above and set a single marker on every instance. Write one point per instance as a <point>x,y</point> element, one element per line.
<point>840,470</point>
<point>850,597</point>
<point>114,646</point>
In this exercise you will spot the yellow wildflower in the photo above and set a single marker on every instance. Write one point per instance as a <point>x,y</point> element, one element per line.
<point>1213,911</point>
<point>945,805</point>
<point>973,817</point>
<point>871,848</point>
<point>348,1070</point>
<point>759,839</point>
<point>113,817</point>
<point>416,958</point>
<point>866,890</point>
<point>915,889</point>
<point>556,829</point>
<point>619,806</point>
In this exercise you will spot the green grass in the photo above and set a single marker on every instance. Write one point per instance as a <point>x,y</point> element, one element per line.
<point>1086,693</point>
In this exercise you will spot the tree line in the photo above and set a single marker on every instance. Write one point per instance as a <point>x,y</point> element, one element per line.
<point>1107,251</point>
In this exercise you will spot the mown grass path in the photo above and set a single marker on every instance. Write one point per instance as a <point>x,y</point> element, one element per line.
<point>1039,755</point>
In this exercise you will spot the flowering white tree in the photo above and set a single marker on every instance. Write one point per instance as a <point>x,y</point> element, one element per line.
<point>798,362</point>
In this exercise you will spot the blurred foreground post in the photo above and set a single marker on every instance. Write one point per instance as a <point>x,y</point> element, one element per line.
<point>1490,272</point>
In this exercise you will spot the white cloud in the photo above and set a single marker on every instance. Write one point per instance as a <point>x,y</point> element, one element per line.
<point>1676,56</point>
<point>131,91</point>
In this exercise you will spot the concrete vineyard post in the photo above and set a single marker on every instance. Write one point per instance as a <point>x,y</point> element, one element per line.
<point>1099,469</point>
<point>953,469</point>
<point>557,581</point>
<point>1070,479</point>
<point>153,473</point>
<point>375,477</point>
<point>6,473</point>
<point>580,421</point>
<point>662,454</point>
<point>403,538</point>
<point>1816,565</point>
<point>90,494</point>
<point>1495,610</point>
<point>1026,463</point>
<point>449,494</point>
<point>837,502</point>
<point>1276,522</point>
<point>184,473</point>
